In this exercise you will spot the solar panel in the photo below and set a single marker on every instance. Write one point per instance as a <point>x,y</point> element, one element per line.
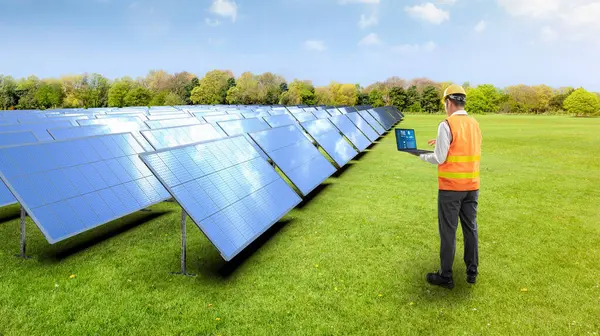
<point>230,192</point>
<point>180,135</point>
<point>330,139</point>
<point>154,124</point>
<point>40,130</point>
<point>17,138</point>
<point>68,187</point>
<point>296,156</point>
<point>383,118</point>
<point>280,120</point>
<point>364,127</point>
<point>213,119</point>
<point>278,111</point>
<point>79,132</point>
<point>371,121</point>
<point>168,116</point>
<point>321,114</point>
<point>141,116</point>
<point>350,131</point>
<point>334,112</point>
<point>111,121</point>
<point>248,115</point>
<point>304,116</point>
<point>242,126</point>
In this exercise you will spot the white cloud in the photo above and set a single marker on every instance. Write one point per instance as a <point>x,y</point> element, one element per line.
<point>414,48</point>
<point>368,21</point>
<point>547,34</point>
<point>212,22</point>
<point>316,45</point>
<point>224,8</point>
<point>370,40</point>
<point>481,26</point>
<point>533,8</point>
<point>446,2</point>
<point>428,12</point>
<point>368,2</point>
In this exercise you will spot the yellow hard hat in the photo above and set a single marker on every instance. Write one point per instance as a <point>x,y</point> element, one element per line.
<point>452,90</point>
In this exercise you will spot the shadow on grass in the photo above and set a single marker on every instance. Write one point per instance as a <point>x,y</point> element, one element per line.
<point>436,295</point>
<point>342,170</point>
<point>9,213</point>
<point>313,194</point>
<point>216,267</point>
<point>63,250</point>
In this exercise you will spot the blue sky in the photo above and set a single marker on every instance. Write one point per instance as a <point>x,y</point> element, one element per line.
<point>502,42</point>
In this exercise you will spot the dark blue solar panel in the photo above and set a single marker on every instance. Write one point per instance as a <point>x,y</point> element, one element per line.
<point>40,130</point>
<point>17,138</point>
<point>350,131</point>
<point>304,116</point>
<point>230,192</point>
<point>155,124</point>
<point>371,121</point>
<point>280,120</point>
<point>364,127</point>
<point>296,156</point>
<point>383,118</point>
<point>181,135</point>
<point>321,114</point>
<point>68,187</point>
<point>330,139</point>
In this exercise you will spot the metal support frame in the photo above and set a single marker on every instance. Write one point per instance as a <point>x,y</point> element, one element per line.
<point>23,222</point>
<point>184,216</point>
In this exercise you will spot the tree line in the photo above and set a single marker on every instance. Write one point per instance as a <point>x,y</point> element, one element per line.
<point>159,88</point>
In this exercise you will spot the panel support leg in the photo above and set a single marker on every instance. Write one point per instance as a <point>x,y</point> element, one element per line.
<point>184,216</point>
<point>23,244</point>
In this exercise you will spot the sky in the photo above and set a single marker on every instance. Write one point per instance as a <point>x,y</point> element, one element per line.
<point>500,42</point>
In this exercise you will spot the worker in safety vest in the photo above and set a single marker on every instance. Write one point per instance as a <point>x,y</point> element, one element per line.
<point>457,154</point>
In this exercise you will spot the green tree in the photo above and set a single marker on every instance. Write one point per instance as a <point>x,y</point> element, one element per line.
<point>415,108</point>
<point>158,98</point>
<point>398,98</point>
<point>213,88</point>
<point>95,90</point>
<point>49,95</point>
<point>117,93</point>
<point>430,99</point>
<point>413,97</point>
<point>8,92</point>
<point>484,98</point>
<point>343,94</point>
<point>363,99</point>
<point>138,96</point>
<point>173,99</point>
<point>582,103</point>
<point>269,87</point>
<point>246,90</point>
<point>299,93</point>
<point>26,91</point>
<point>558,99</point>
<point>376,98</point>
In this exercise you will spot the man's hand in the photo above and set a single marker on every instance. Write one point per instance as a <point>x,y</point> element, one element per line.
<point>431,142</point>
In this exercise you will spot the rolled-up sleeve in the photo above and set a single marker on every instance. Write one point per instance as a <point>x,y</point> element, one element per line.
<point>441,147</point>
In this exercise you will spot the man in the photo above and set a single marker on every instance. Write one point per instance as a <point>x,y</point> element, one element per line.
<point>457,154</point>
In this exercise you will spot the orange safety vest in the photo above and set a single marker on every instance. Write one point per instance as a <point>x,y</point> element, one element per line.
<point>460,172</point>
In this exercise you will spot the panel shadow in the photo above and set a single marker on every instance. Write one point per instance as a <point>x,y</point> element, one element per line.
<point>72,246</point>
<point>313,194</point>
<point>342,170</point>
<point>9,213</point>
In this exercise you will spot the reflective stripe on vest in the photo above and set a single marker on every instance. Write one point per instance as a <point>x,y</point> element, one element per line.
<point>460,172</point>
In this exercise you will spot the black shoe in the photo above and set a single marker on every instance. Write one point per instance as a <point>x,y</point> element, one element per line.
<point>437,279</point>
<point>472,278</point>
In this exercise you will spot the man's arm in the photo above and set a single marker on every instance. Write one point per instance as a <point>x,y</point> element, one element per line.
<point>441,147</point>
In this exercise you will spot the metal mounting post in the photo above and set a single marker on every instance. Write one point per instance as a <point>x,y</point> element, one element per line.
<point>23,253</point>
<point>183,244</point>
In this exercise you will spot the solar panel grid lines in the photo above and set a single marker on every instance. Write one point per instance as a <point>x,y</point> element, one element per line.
<point>242,126</point>
<point>321,114</point>
<point>213,119</point>
<point>359,122</point>
<point>229,191</point>
<point>65,133</point>
<point>330,139</point>
<point>304,116</point>
<point>296,156</point>
<point>350,131</point>
<point>109,121</point>
<point>371,121</point>
<point>261,114</point>
<point>68,187</point>
<point>334,112</point>
<point>39,129</point>
<point>167,116</point>
<point>383,118</point>
<point>180,135</point>
<point>280,120</point>
<point>17,138</point>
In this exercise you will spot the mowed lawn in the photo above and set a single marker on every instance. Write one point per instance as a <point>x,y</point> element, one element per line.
<point>352,260</point>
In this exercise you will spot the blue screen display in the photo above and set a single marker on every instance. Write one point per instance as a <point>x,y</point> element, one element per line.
<point>405,138</point>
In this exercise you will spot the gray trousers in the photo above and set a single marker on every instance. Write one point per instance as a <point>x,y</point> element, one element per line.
<point>451,206</point>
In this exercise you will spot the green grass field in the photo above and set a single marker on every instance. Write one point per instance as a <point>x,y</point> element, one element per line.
<point>350,261</point>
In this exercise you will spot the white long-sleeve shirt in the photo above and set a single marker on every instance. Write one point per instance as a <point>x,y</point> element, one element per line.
<point>442,143</point>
